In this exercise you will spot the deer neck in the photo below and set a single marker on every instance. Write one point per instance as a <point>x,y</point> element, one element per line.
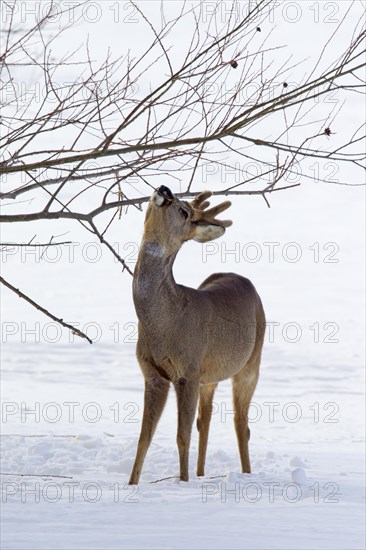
<point>155,291</point>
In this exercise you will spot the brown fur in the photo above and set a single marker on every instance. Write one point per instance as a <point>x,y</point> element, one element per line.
<point>192,338</point>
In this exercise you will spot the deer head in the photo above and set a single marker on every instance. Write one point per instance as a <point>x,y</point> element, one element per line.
<point>170,221</point>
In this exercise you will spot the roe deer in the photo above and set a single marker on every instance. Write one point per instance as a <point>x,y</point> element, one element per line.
<point>192,338</point>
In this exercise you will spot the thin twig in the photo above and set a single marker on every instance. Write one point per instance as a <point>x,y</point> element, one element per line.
<point>35,244</point>
<point>73,329</point>
<point>110,247</point>
<point>36,475</point>
<point>164,478</point>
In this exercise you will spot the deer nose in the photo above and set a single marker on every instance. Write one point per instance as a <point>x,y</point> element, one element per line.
<point>165,192</point>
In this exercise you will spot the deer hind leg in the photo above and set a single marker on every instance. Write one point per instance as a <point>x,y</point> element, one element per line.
<point>203,423</point>
<point>156,393</point>
<point>244,384</point>
<point>187,397</point>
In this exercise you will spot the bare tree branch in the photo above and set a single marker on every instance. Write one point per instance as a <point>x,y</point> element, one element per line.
<point>73,329</point>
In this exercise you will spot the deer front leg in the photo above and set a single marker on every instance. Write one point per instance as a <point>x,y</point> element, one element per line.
<point>187,397</point>
<point>156,393</point>
<point>203,424</point>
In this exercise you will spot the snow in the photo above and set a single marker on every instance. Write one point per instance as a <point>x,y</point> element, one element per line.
<point>71,412</point>
<point>80,418</point>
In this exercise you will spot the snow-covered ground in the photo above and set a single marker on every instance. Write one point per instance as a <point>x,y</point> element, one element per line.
<point>74,410</point>
<point>71,411</point>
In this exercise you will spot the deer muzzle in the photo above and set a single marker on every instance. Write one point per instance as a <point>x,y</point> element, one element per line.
<point>163,196</point>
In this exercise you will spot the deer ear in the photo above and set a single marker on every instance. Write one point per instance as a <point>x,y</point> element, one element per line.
<point>205,232</point>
